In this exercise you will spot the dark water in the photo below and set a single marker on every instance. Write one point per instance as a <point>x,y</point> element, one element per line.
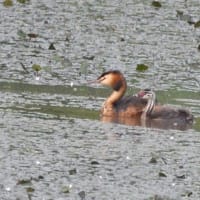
<point>52,143</point>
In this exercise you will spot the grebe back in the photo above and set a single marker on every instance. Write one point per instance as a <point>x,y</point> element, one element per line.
<point>162,112</point>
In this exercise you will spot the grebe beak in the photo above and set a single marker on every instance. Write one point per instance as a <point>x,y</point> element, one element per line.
<point>95,81</point>
<point>99,80</point>
<point>140,94</point>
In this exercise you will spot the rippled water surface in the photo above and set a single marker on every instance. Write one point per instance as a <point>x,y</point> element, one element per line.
<point>52,142</point>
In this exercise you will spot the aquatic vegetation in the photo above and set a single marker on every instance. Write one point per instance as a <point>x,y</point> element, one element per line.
<point>32,35</point>
<point>197,24</point>
<point>156,4</point>
<point>162,174</point>
<point>24,68</point>
<point>141,67</point>
<point>36,67</point>
<point>52,47</point>
<point>21,34</point>
<point>8,3</point>
<point>23,1</point>
<point>24,35</point>
<point>72,171</point>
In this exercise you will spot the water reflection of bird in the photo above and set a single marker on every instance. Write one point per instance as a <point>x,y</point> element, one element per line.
<point>116,104</point>
<point>162,115</point>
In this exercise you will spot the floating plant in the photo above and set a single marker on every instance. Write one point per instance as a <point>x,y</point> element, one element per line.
<point>22,1</point>
<point>24,182</point>
<point>141,67</point>
<point>94,163</point>
<point>89,57</point>
<point>72,171</point>
<point>153,160</point>
<point>30,189</point>
<point>32,35</point>
<point>197,24</point>
<point>8,3</point>
<point>36,69</point>
<point>52,47</point>
<point>162,174</point>
<point>24,68</point>
<point>21,34</point>
<point>156,4</point>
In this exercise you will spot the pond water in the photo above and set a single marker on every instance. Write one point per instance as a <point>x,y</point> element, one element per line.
<point>52,142</point>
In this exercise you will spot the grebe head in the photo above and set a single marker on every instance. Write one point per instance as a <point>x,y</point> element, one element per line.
<point>113,78</point>
<point>144,93</point>
<point>150,96</point>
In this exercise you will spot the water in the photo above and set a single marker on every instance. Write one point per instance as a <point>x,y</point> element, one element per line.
<point>52,142</point>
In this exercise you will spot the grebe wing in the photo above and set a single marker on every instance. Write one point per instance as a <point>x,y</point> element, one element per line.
<point>165,112</point>
<point>130,101</point>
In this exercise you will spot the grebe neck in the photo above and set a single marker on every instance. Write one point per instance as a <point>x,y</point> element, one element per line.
<point>151,97</point>
<point>117,82</point>
<point>116,95</point>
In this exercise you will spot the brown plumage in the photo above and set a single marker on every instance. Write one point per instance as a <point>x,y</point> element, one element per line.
<point>116,104</point>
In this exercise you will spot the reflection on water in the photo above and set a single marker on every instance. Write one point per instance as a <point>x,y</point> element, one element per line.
<point>150,123</point>
<point>52,143</point>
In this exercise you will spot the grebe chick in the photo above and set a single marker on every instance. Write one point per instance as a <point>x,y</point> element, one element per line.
<point>162,112</point>
<point>116,104</point>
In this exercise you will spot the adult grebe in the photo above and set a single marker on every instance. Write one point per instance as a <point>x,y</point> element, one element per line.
<point>116,104</point>
<point>166,115</point>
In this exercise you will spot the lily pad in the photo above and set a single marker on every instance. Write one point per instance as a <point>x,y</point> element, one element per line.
<point>36,67</point>
<point>8,3</point>
<point>197,24</point>
<point>162,174</point>
<point>141,67</point>
<point>72,171</point>
<point>30,189</point>
<point>181,176</point>
<point>32,35</point>
<point>156,4</point>
<point>95,163</point>
<point>24,182</point>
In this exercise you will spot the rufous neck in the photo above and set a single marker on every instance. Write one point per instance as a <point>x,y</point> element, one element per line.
<point>117,94</point>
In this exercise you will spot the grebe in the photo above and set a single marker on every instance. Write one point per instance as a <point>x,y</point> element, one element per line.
<point>164,115</point>
<point>117,105</point>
